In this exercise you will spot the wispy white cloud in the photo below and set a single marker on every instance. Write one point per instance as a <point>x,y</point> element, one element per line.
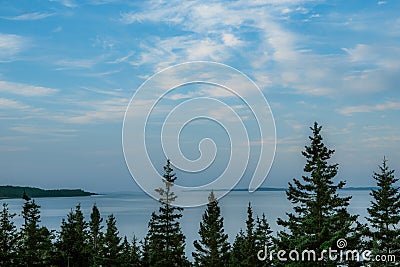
<point>383,56</point>
<point>16,110</point>
<point>11,45</point>
<point>103,2</point>
<point>215,28</point>
<point>25,89</point>
<point>104,92</point>
<point>66,3</point>
<point>379,142</point>
<point>216,31</point>
<point>98,111</point>
<point>122,59</point>
<point>100,74</point>
<point>231,40</point>
<point>294,125</point>
<point>172,50</point>
<point>104,42</point>
<point>32,129</point>
<point>384,138</point>
<point>388,105</point>
<point>6,103</point>
<point>30,16</point>
<point>162,12</point>
<point>76,63</point>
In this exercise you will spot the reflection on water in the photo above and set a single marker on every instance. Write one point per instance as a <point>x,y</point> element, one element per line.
<point>133,210</point>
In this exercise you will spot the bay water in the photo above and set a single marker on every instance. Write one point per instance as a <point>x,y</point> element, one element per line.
<point>133,210</point>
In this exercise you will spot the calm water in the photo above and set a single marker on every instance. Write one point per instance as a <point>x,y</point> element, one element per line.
<point>133,211</point>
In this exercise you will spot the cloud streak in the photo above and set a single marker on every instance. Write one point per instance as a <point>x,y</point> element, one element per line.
<point>388,105</point>
<point>218,32</point>
<point>25,89</point>
<point>93,112</point>
<point>30,16</point>
<point>12,104</point>
<point>11,45</point>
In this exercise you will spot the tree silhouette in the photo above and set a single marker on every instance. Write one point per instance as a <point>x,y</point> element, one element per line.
<point>213,247</point>
<point>320,215</point>
<point>34,247</point>
<point>8,237</point>
<point>164,244</point>
<point>95,236</point>
<point>111,249</point>
<point>384,215</point>
<point>73,239</point>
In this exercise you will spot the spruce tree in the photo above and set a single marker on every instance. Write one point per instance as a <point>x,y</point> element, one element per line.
<point>145,245</point>
<point>73,239</point>
<point>126,253</point>
<point>135,253</point>
<point>244,252</point>
<point>35,247</point>
<point>384,214</point>
<point>238,252</point>
<point>165,243</point>
<point>250,244</point>
<point>213,248</point>
<point>8,238</point>
<point>111,250</point>
<point>130,254</point>
<point>263,239</point>
<point>320,215</point>
<point>95,236</point>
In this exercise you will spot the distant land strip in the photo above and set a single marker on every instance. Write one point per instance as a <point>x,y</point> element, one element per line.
<point>350,188</point>
<point>9,191</point>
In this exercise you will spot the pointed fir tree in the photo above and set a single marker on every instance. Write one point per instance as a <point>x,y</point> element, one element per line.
<point>111,250</point>
<point>8,238</point>
<point>244,251</point>
<point>384,214</point>
<point>320,215</point>
<point>135,253</point>
<point>165,243</point>
<point>72,244</point>
<point>130,254</point>
<point>250,244</point>
<point>146,249</point>
<point>238,252</point>
<point>95,236</point>
<point>35,246</point>
<point>213,247</point>
<point>263,240</point>
<point>126,253</point>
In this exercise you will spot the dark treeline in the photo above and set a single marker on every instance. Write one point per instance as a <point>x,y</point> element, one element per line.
<point>319,220</point>
<point>17,191</point>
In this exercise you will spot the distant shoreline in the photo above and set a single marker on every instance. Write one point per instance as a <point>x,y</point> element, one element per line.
<point>15,192</point>
<point>280,189</point>
<point>12,192</point>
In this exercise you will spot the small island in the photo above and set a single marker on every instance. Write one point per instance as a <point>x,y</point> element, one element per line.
<point>9,191</point>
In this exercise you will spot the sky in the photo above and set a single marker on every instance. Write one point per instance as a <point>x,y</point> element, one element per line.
<point>68,70</point>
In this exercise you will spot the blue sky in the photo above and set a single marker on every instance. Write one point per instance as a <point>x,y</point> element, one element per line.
<point>69,68</point>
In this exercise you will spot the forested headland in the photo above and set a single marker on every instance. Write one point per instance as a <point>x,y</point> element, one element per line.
<point>8,191</point>
<point>318,224</point>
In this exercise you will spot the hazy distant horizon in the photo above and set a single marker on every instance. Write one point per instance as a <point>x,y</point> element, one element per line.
<point>68,70</point>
